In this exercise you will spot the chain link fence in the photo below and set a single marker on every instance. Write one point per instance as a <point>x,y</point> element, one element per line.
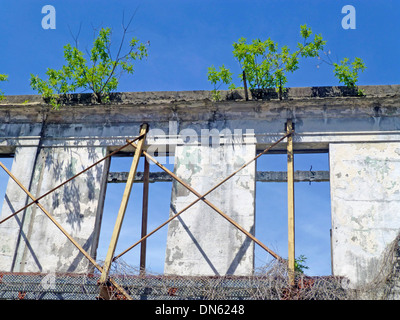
<point>268,283</point>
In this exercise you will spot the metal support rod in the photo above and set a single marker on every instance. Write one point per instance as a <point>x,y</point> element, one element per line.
<point>261,176</point>
<point>124,204</point>
<point>290,186</point>
<point>201,197</point>
<point>76,244</point>
<point>246,94</point>
<point>145,206</point>
<point>63,183</point>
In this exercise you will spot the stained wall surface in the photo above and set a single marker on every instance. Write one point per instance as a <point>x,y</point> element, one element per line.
<point>361,135</point>
<point>34,243</point>
<point>365,184</point>
<point>200,240</point>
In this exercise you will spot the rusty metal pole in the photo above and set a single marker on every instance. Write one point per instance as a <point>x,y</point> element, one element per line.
<point>246,94</point>
<point>145,206</point>
<point>290,186</point>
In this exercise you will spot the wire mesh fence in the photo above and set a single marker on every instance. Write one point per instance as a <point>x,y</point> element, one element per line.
<point>271,284</point>
<point>268,283</point>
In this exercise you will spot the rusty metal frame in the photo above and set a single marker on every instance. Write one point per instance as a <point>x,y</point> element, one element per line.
<point>76,244</point>
<point>104,270</point>
<point>36,201</point>
<point>290,201</point>
<point>202,197</point>
<point>145,209</point>
<point>68,180</point>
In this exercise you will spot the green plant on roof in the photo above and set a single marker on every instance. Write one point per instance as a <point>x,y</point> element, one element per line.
<point>3,77</point>
<point>99,73</point>
<point>217,78</point>
<point>266,65</point>
<point>347,72</point>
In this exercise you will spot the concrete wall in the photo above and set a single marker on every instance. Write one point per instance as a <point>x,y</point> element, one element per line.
<point>361,134</point>
<point>34,243</point>
<point>365,195</point>
<point>16,198</point>
<point>200,240</point>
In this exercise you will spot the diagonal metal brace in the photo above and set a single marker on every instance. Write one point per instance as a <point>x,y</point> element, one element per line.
<point>58,225</point>
<point>202,197</point>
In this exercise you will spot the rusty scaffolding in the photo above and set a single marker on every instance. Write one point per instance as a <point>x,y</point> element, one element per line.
<point>107,284</point>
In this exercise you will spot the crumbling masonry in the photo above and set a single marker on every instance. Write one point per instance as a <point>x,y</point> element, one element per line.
<point>361,134</point>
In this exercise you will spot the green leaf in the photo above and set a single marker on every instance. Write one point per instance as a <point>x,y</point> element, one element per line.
<point>3,77</point>
<point>305,32</point>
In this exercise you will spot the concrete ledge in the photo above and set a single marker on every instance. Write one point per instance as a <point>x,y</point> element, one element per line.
<point>194,106</point>
<point>156,97</point>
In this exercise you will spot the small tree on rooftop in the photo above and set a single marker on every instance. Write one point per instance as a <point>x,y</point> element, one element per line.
<point>347,72</point>
<point>266,65</point>
<point>3,77</point>
<point>216,77</point>
<point>100,74</point>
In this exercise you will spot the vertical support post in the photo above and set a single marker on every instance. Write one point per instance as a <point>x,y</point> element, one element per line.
<point>246,94</point>
<point>144,215</point>
<point>124,204</point>
<point>290,184</point>
<point>330,234</point>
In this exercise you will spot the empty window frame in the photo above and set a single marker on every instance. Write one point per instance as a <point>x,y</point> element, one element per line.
<point>159,198</point>
<point>312,212</point>
<point>6,160</point>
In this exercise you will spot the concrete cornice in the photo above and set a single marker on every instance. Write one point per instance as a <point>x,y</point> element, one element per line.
<point>198,105</point>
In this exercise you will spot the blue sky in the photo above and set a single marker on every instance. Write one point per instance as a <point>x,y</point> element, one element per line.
<point>186,37</point>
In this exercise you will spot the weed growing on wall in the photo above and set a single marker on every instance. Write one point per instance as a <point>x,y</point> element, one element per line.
<point>347,72</point>
<point>265,64</point>
<point>99,74</point>
<point>3,77</point>
<point>223,75</point>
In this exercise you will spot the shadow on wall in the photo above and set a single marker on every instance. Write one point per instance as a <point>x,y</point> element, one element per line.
<point>235,261</point>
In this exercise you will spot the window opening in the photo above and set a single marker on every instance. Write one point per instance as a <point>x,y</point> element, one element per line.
<point>158,212</point>
<point>7,161</point>
<point>312,212</point>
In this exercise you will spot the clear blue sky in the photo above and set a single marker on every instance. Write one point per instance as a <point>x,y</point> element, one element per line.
<point>186,37</point>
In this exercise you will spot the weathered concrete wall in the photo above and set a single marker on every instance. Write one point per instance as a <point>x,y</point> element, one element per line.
<point>15,198</point>
<point>81,132</point>
<point>365,195</point>
<point>200,240</point>
<point>35,244</point>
